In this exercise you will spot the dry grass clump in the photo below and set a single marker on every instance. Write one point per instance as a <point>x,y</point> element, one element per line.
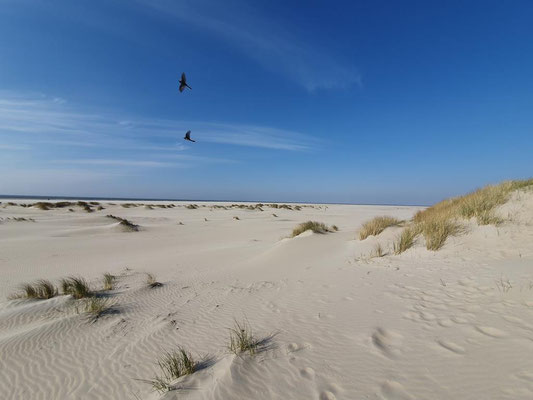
<point>242,338</point>
<point>125,224</point>
<point>378,251</point>
<point>173,365</point>
<point>96,306</point>
<point>317,227</point>
<point>151,281</point>
<point>129,226</point>
<point>436,231</point>
<point>22,219</point>
<point>42,289</point>
<point>109,281</point>
<point>405,240</point>
<point>377,225</point>
<point>43,205</point>
<point>438,222</point>
<point>191,206</point>
<point>236,218</point>
<point>63,204</point>
<point>479,204</point>
<point>75,286</point>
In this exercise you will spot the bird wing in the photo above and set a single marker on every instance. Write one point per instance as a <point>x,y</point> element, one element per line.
<point>183,78</point>
<point>188,135</point>
<point>182,87</point>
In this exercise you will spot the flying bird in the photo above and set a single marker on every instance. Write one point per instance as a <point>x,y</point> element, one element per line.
<point>188,137</point>
<point>183,83</point>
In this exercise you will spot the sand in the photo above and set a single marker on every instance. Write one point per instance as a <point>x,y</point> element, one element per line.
<point>337,324</point>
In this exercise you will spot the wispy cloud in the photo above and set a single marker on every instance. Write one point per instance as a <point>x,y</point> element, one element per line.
<point>57,123</point>
<point>259,38</point>
<point>124,163</point>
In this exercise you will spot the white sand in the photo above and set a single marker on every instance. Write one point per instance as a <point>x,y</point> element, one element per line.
<point>452,324</point>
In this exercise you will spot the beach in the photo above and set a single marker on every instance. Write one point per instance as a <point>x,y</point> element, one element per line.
<point>334,321</point>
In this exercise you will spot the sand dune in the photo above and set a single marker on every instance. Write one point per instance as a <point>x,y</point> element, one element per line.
<point>451,324</point>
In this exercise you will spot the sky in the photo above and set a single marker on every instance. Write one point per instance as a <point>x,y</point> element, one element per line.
<point>367,102</point>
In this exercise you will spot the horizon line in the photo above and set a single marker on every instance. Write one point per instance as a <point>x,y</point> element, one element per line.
<point>41,197</point>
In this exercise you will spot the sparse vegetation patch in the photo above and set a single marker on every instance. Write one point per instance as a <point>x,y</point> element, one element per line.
<point>173,365</point>
<point>317,227</point>
<point>377,225</point>
<point>42,289</point>
<point>77,287</point>
<point>242,338</point>
<point>405,240</point>
<point>109,281</point>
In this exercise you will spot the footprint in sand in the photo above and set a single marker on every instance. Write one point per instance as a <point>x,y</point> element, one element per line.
<point>392,390</point>
<point>517,321</point>
<point>492,332</point>
<point>308,373</point>
<point>327,395</point>
<point>451,346</point>
<point>445,322</point>
<point>388,342</point>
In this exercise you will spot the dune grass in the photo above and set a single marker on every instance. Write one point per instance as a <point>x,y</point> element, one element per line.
<point>442,220</point>
<point>42,289</point>
<point>96,306</point>
<point>242,339</point>
<point>479,204</point>
<point>151,281</point>
<point>109,281</point>
<point>126,225</point>
<point>436,231</point>
<point>378,251</point>
<point>173,365</point>
<point>377,225</point>
<point>129,226</point>
<point>77,287</point>
<point>43,205</point>
<point>405,240</point>
<point>317,227</point>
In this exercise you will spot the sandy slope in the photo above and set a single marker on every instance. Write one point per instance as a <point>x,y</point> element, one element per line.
<point>455,324</point>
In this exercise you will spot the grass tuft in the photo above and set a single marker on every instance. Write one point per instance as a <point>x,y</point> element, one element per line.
<point>173,365</point>
<point>109,281</point>
<point>77,287</point>
<point>151,281</point>
<point>42,289</point>
<point>378,251</point>
<point>96,306</point>
<point>242,338</point>
<point>436,231</point>
<point>377,225</point>
<point>405,240</point>
<point>317,227</point>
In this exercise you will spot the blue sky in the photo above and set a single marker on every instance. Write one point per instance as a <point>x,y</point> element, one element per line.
<point>358,101</point>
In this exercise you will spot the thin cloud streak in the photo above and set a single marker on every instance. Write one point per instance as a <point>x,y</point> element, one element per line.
<point>123,163</point>
<point>266,43</point>
<point>58,123</point>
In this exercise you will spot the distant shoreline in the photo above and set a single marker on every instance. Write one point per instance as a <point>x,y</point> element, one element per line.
<point>26,197</point>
